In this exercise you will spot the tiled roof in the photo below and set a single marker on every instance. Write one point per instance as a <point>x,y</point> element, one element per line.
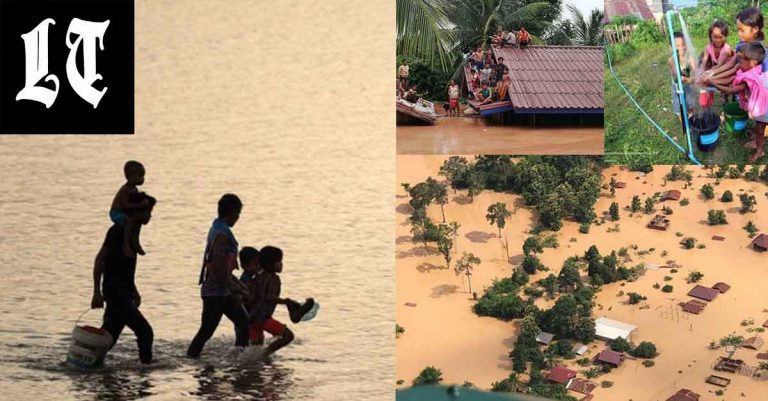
<point>623,8</point>
<point>555,77</point>
<point>610,356</point>
<point>684,395</point>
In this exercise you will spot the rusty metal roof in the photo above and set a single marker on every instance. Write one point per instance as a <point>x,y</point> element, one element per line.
<point>556,78</point>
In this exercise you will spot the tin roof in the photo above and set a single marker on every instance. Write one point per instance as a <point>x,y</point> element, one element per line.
<point>684,395</point>
<point>561,374</point>
<point>761,241</point>
<point>704,293</point>
<point>555,78</point>
<point>613,329</point>
<point>610,356</point>
<point>545,338</point>
<point>623,8</point>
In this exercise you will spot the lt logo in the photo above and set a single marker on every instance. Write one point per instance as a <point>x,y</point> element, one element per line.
<point>36,48</point>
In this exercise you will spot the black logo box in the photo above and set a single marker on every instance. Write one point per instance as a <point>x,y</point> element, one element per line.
<point>69,114</point>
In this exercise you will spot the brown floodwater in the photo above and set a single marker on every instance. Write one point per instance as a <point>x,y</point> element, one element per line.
<point>473,135</point>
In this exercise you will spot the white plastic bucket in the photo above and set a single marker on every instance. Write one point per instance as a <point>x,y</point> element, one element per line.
<point>88,347</point>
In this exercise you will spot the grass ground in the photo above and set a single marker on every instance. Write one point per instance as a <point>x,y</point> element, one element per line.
<point>630,138</point>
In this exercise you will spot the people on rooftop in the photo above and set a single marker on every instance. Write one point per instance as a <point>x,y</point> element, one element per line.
<point>523,38</point>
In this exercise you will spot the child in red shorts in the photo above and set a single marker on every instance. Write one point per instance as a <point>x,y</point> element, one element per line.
<point>264,288</point>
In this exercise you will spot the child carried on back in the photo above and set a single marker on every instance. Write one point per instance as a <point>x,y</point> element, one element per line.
<point>123,204</point>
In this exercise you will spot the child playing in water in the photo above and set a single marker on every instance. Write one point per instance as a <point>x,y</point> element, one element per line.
<point>134,174</point>
<point>687,69</point>
<point>751,83</point>
<point>750,27</point>
<point>265,293</point>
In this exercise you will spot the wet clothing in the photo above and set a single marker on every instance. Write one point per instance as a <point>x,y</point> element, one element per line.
<point>271,326</point>
<point>213,309</point>
<point>211,287</point>
<point>122,311</point>
<point>264,288</point>
<point>119,269</point>
<point>119,291</point>
<point>117,216</point>
<point>217,297</point>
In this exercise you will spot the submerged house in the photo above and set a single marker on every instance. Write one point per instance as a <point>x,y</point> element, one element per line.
<point>684,395</point>
<point>549,80</point>
<point>694,306</point>
<point>610,357</point>
<point>659,222</point>
<point>760,243</point>
<point>704,293</point>
<point>673,195</point>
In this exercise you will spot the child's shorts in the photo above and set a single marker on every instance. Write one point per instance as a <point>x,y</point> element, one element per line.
<point>117,216</point>
<point>271,326</point>
<point>454,102</point>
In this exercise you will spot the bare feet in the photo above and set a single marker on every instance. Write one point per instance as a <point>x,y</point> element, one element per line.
<point>760,153</point>
<point>751,144</point>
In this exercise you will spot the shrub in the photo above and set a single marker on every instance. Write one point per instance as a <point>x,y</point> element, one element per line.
<point>635,298</point>
<point>620,345</point>
<point>648,363</point>
<point>667,278</point>
<point>606,384</point>
<point>689,243</point>
<point>695,276</point>
<point>708,191</point>
<point>684,202</point>
<point>716,217</point>
<point>429,376</point>
<point>399,330</point>
<point>727,197</point>
<point>656,286</point>
<point>667,288</point>
<point>645,349</point>
<point>584,228</point>
<point>583,361</point>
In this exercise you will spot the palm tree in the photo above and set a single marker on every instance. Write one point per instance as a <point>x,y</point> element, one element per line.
<point>588,32</point>
<point>464,265</point>
<point>423,32</point>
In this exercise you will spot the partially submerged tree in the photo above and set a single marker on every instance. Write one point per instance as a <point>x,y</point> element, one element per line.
<point>464,265</point>
<point>708,192</point>
<point>614,211</point>
<point>428,376</point>
<point>715,217</point>
<point>649,205</point>
<point>446,234</point>
<point>752,229</point>
<point>455,170</point>
<point>635,204</point>
<point>748,203</point>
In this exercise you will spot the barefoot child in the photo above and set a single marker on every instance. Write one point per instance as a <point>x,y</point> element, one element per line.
<point>134,174</point>
<point>687,70</point>
<point>265,293</point>
<point>750,83</point>
<point>453,98</point>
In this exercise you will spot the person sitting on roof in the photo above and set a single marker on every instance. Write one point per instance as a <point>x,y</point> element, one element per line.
<point>485,95</point>
<point>502,88</point>
<point>477,59</point>
<point>497,36</point>
<point>523,38</point>
<point>510,39</point>
<point>412,96</point>
<point>485,74</point>
<point>500,69</point>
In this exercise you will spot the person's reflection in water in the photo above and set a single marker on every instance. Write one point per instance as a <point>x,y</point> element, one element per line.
<point>112,385</point>
<point>258,382</point>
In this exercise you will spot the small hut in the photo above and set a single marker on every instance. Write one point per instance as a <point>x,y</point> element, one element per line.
<point>580,350</point>
<point>620,185</point>
<point>704,293</point>
<point>610,357</point>
<point>673,195</point>
<point>722,287</point>
<point>718,380</point>
<point>684,395</point>
<point>760,243</point>
<point>659,222</point>
<point>753,343</point>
